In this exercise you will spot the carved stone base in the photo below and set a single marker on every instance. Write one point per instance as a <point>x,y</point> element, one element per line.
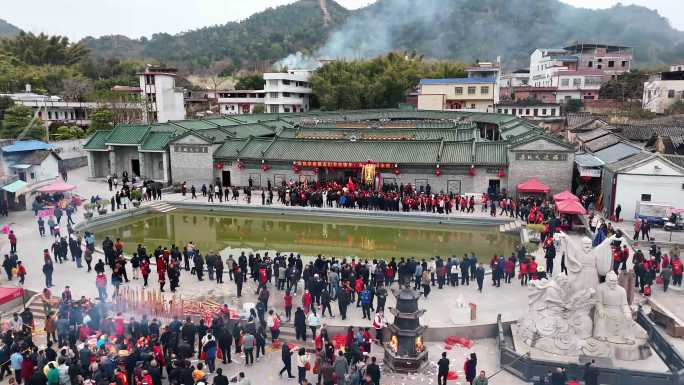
<point>636,352</point>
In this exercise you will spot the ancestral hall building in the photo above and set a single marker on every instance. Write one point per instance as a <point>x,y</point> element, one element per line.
<point>452,151</point>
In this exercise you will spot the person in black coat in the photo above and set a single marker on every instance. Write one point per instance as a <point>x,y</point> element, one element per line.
<point>300,324</point>
<point>219,378</point>
<point>373,370</point>
<point>155,373</point>
<point>479,277</point>
<point>286,356</point>
<point>591,373</point>
<point>225,340</point>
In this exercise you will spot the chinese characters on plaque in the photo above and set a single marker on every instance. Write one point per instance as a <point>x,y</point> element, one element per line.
<point>541,156</point>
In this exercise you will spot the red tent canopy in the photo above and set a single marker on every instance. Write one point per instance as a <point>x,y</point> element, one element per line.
<point>8,294</point>
<point>570,206</point>
<point>57,186</point>
<point>565,195</point>
<point>533,185</point>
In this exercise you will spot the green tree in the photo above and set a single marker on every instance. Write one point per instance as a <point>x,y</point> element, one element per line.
<point>101,119</point>
<point>5,103</point>
<point>382,82</point>
<point>676,108</point>
<point>43,49</point>
<point>67,132</point>
<point>573,105</point>
<point>18,118</point>
<point>253,81</point>
<point>627,86</point>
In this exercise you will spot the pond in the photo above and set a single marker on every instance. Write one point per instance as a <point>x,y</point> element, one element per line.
<point>309,236</point>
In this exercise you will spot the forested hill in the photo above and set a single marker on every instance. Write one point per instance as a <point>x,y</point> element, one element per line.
<point>7,29</point>
<point>456,29</point>
<point>262,38</point>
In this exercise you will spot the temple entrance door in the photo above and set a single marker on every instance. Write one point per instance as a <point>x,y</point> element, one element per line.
<point>135,167</point>
<point>225,178</point>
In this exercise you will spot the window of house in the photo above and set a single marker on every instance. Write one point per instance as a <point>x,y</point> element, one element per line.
<point>670,93</point>
<point>590,64</point>
<point>273,95</point>
<point>576,82</point>
<point>472,106</point>
<point>33,175</point>
<point>599,60</point>
<point>286,94</point>
<point>286,82</point>
<point>287,109</point>
<point>520,111</point>
<point>506,111</point>
<point>149,79</point>
<point>527,111</point>
<point>552,112</point>
<point>160,165</point>
<point>599,66</point>
<point>472,90</point>
<point>645,197</point>
<point>458,90</point>
<point>484,90</point>
<point>543,111</point>
<point>274,109</point>
<point>49,115</point>
<point>499,110</point>
<point>624,63</point>
<point>611,63</point>
<point>565,82</point>
<point>536,112</point>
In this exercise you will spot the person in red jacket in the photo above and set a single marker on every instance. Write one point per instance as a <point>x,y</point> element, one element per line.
<point>161,271</point>
<point>145,270</point>
<point>13,241</point>
<point>677,270</point>
<point>306,301</point>
<point>532,269</point>
<point>358,288</point>
<point>288,305</point>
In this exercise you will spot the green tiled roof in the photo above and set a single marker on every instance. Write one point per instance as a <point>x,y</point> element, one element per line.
<point>457,153</point>
<point>222,121</point>
<point>194,124</point>
<point>127,134</point>
<point>230,148</point>
<point>156,141</point>
<point>490,153</point>
<point>97,141</point>
<point>217,135</point>
<point>254,129</point>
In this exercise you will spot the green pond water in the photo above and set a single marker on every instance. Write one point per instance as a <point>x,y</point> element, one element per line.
<point>308,236</point>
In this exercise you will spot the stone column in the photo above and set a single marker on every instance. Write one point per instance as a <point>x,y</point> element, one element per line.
<point>167,172</point>
<point>91,165</point>
<point>112,161</point>
<point>143,170</point>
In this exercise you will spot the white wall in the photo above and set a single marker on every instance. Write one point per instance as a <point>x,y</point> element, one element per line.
<point>663,189</point>
<point>49,169</point>
<point>656,97</point>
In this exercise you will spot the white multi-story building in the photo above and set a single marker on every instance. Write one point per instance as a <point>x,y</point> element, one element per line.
<point>664,89</point>
<point>237,102</point>
<point>287,91</point>
<point>164,101</point>
<point>580,84</point>
<point>545,62</point>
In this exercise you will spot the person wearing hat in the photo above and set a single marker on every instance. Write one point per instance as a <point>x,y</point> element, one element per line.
<point>541,274</point>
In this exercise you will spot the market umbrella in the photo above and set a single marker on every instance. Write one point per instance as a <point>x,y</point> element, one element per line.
<point>565,195</point>
<point>57,186</point>
<point>570,206</point>
<point>533,185</point>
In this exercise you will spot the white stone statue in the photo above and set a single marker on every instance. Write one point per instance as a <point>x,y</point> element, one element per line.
<point>604,254</point>
<point>612,315</point>
<point>581,262</point>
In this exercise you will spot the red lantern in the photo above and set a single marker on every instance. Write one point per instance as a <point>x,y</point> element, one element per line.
<point>438,171</point>
<point>396,171</point>
<point>296,168</point>
<point>501,173</point>
<point>471,171</point>
<point>218,165</point>
<point>264,167</point>
<point>240,165</point>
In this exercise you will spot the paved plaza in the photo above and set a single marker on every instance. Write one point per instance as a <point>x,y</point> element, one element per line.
<point>510,300</point>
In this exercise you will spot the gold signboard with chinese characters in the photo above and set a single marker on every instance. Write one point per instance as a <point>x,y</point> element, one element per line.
<point>541,156</point>
<point>368,172</point>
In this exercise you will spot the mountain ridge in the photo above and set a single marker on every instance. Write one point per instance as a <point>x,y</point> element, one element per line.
<point>7,29</point>
<point>466,30</point>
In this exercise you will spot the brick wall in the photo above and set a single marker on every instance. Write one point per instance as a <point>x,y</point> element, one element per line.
<point>555,174</point>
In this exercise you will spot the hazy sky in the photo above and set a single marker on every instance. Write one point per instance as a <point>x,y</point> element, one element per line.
<point>135,18</point>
